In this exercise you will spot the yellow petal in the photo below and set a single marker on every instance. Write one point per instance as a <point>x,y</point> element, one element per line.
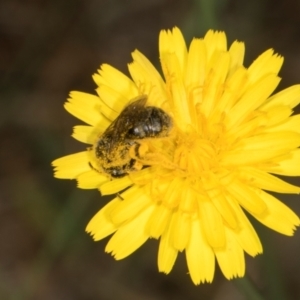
<point>262,147</point>
<point>158,221</point>
<point>289,97</point>
<point>277,216</point>
<point>115,185</point>
<point>167,254</point>
<point>233,90</point>
<point>146,71</point>
<point>112,99</point>
<point>179,47</point>
<point>265,181</point>
<point>199,255</point>
<point>180,231</point>
<point>128,239</point>
<point>108,113</point>
<point>291,124</point>
<point>87,134</point>
<point>135,201</point>
<point>288,165</point>
<point>246,197</point>
<point>252,127</point>
<point>245,233</point>
<point>85,107</point>
<point>220,202</point>
<point>188,202</point>
<point>214,85</point>
<point>212,223</point>
<point>109,75</point>
<point>100,226</point>
<point>156,94</point>
<point>71,166</point>
<point>144,176</point>
<point>272,140</point>
<point>266,63</point>
<point>216,43</point>
<point>91,180</point>
<point>276,116</point>
<point>174,75</point>
<point>171,195</point>
<point>173,42</point>
<point>231,258</point>
<point>196,65</point>
<point>252,99</point>
<point>237,52</point>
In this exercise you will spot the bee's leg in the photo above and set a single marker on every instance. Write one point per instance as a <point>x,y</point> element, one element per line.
<point>134,165</point>
<point>92,167</point>
<point>119,196</point>
<point>89,149</point>
<point>138,150</point>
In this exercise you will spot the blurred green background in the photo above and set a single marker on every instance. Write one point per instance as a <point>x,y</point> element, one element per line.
<point>50,47</point>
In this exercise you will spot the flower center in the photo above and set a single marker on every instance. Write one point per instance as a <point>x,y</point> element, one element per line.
<point>195,155</point>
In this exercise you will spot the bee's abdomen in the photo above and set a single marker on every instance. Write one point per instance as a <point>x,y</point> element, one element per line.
<point>157,124</point>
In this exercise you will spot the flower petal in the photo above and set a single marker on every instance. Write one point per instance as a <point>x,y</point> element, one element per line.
<point>266,63</point>
<point>112,99</point>
<point>212,223</point>
<point>237,52</point>
<point>276,116</point>
<point>214,85</point>
<point>287,165</point>
<point>71,166</point>
<point>220,202</point>
<point>85,107</point>
<point>245,233</point>
<point>173,42</point>
<point>277,216</point>
<point>289,96</point>
<point>146,75</point>
<point>100,226</point>
<point>134,202</point>
<point>87,134</point>
<point>261,148</point>
<point>167,254</point>
<point>91,180</point>
<point>216,43</point>
<point>231,258</point>
<point>234,88</point>
<point>109,75</point>
<point>127,239</point>
<point>115,186</point>
<point>246,197</point>
<point>174,76</point>
<point>291,124</point>
<point>252,99</point>
<point>196,66</point>
<point>199,255</point>
<point>158,221</point>
<point>180,231</point>
<point>265,181</point>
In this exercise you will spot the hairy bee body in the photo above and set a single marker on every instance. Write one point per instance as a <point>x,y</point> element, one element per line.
<point>135,122</point>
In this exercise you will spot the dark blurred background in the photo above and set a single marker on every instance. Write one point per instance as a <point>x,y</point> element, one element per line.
<point>50,47</point>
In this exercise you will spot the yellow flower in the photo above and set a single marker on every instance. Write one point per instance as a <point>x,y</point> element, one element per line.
<point>228,139</point>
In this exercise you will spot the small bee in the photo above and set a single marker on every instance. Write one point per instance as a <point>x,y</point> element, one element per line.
<point>136,122</point>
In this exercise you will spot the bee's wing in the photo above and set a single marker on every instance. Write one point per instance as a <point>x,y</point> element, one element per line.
<point>131,114</point>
